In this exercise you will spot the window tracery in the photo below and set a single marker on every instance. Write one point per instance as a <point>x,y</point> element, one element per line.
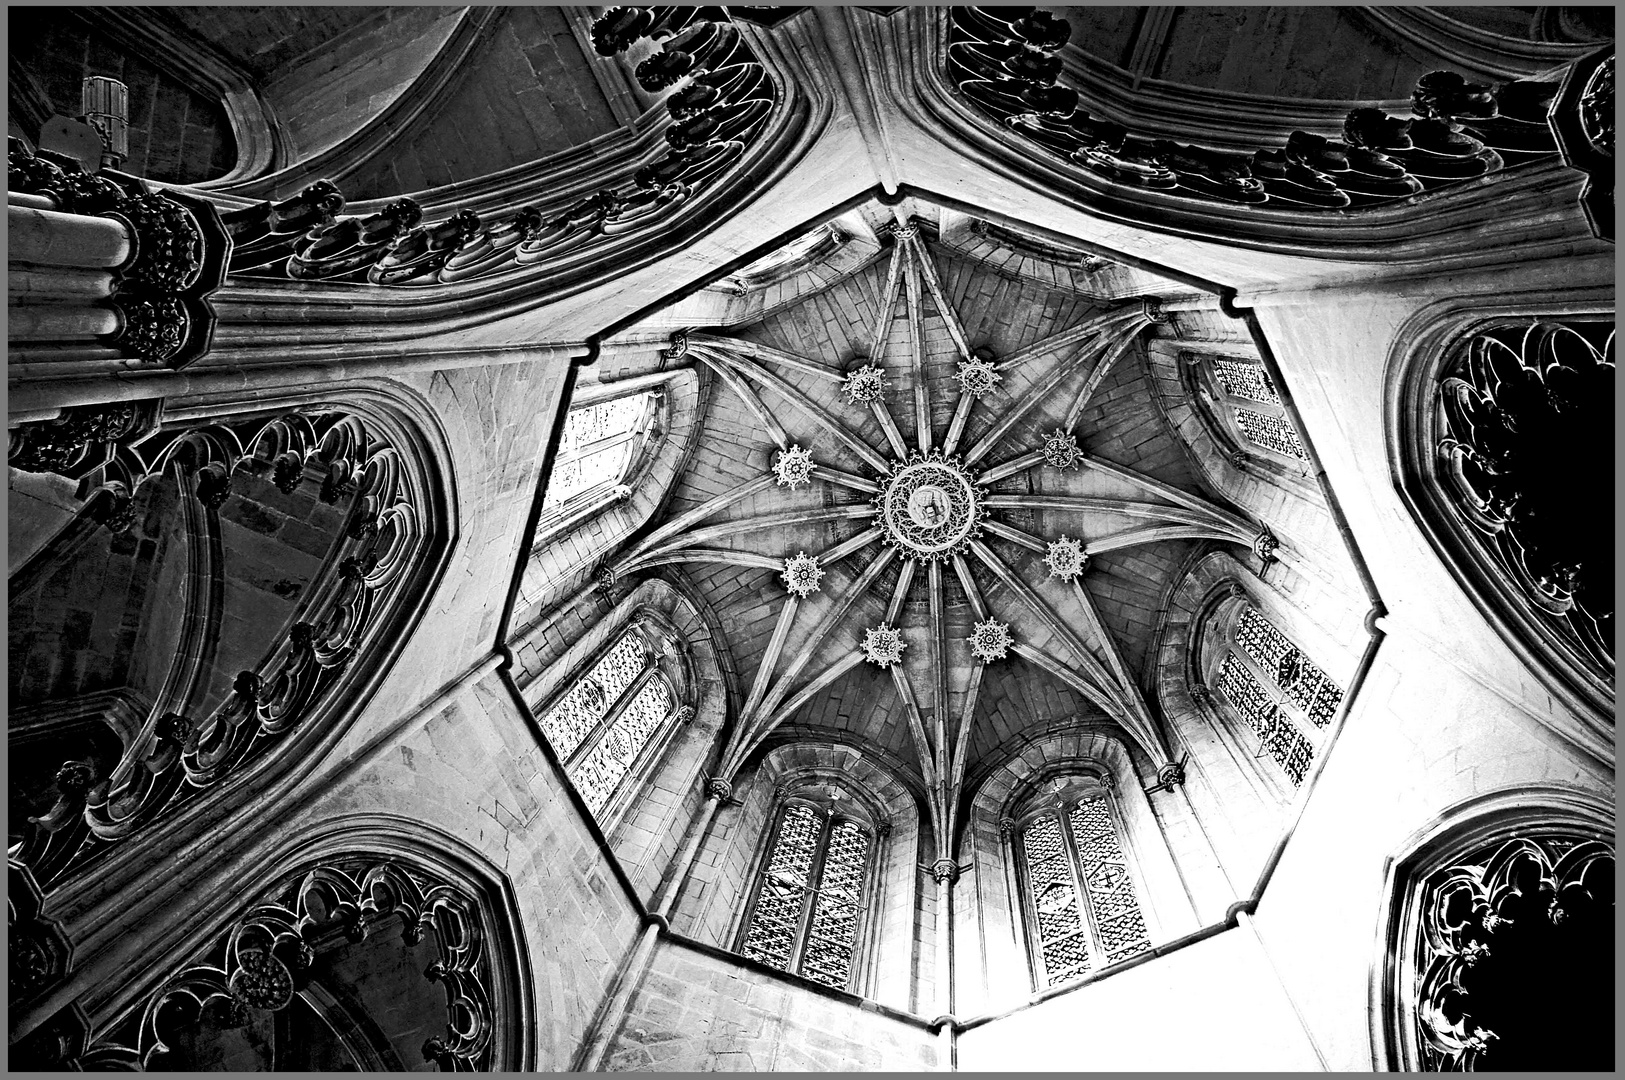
<point>599,449</point>
<point>1247,406</point>
<point>1282,695</point>
<point>808,909</point>
<point>1082,909</point>
<point>612,717</point>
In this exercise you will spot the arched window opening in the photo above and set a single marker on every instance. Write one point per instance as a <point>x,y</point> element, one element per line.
<point>807,911</point>
<point>1498,963</point>
<point>1281,694</point>
<point>611,723</point>
<point>1079,896</point>
<point>1247,405</point>
<point>597,454</point>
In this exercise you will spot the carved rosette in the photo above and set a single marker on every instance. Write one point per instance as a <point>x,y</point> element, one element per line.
<point>1061,450</point>
<point>793,466</point>
<point>802,574</point>
<point>168,243</point>
<point>864,385</point>
<point>883,645</point>
<point>1066,558</point>
<point>930,507</point>
<point>977,377</point>
<point>990,641</point>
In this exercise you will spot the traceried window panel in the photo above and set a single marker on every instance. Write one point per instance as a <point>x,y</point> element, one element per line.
<point>611,719</point>
<point>1082,910</point>
<point>807,914</point>
<point>599,447</point>
<point>1247,405</point>
<point>1279,692</point>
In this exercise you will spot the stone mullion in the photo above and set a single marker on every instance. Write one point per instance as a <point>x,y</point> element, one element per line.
<point>1098,954</point>
<point>611,714</point>
<point>809,895</point>
<point>644,761</point>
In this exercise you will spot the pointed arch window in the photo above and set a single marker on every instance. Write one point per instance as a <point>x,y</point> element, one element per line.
<point>1081,904</point>
<point>597,457</point>
<point>1282,695</point>
<point>1248,407</point>
<point>808,910</point>
<point>613,720</point>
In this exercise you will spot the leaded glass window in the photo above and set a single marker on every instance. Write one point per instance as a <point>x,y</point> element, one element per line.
<point>1277,690</point>
<point>1249,405</point>
<point>809,904</point>
<point>610,718</point>
<point>599,444</point>
<point>1082,909</point>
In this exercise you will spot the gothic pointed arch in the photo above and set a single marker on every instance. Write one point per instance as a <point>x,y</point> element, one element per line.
<point>1500,417</point>
<point>1069,862</point>
<point>373,944</point>
<point>810,811</point>
<point>281,548</point>
<point>1488,949</point>
<point>623,447</point>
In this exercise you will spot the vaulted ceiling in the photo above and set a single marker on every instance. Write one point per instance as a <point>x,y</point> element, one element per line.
<point>910,432</point>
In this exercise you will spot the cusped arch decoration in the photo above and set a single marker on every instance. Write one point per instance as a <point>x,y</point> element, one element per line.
<point>1492,937</point>
<point>1499,414</point>
<point>378,449</point>
<point>365,887</point>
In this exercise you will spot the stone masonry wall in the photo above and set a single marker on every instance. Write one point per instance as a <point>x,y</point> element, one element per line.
<point>696,1011</point>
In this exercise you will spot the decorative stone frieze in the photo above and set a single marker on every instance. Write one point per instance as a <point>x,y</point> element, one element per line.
<point>1520,405</point>
<point>720,107</point>
<point>1007,63</point>
<point>177,758</point>
<point>262,962</point>
<point>1500,953</point>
